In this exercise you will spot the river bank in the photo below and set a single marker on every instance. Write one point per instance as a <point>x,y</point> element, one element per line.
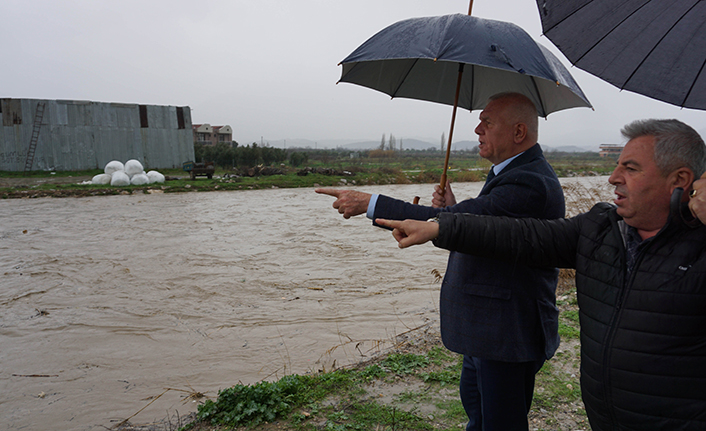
<point>414,386</point>
<point>61,186</point>
<point>15,185</point>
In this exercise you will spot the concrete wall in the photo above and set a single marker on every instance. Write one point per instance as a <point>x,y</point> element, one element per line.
<point>78,135</point>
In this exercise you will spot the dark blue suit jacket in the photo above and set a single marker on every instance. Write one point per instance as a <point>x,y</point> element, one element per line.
<point>493,309</point>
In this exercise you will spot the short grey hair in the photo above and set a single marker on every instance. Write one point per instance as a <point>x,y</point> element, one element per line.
<point>677,144</point>
<point>522,110</point>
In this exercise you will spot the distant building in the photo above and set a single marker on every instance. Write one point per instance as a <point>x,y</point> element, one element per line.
<point>610,150</point>
<point>206,134</point>
<point>68,135</point>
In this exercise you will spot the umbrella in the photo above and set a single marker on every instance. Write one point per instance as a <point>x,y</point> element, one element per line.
<point>656,48</point>
<point>461,60</point>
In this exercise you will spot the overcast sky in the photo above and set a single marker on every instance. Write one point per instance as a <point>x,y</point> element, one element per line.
<point>269,68</point>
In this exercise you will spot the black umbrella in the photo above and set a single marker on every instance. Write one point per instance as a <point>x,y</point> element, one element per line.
<point>656,48</point>
<point>461,60</point>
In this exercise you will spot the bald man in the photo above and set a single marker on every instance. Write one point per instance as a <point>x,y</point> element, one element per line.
<point>504,332</point>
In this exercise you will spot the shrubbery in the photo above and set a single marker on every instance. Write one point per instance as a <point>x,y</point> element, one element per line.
<point>226,155</point>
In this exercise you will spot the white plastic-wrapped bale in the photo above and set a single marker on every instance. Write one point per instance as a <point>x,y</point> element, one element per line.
<point>139,179</point>
<point>133,167</point>
<point>155,177</point>
<point>119,178</point>
<point>113,166</point>
<point>101,179</point>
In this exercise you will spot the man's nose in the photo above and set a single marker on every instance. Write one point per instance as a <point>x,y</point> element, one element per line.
<point>614,177</point>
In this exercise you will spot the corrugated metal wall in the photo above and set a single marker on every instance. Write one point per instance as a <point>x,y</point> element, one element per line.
<point>78,135</point>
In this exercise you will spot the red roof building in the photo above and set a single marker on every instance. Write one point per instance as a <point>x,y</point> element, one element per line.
<point>611,150</point>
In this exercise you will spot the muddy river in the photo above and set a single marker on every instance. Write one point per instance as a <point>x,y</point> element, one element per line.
<point>107,302</point>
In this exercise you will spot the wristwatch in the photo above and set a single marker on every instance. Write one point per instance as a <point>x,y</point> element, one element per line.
<point>435,220</point>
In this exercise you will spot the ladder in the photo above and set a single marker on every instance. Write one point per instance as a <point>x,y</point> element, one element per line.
<point>38,116</point>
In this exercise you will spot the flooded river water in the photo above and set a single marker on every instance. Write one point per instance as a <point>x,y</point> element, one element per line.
<point>108,301</point>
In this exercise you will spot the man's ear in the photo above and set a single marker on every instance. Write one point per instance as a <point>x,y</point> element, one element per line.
<point>520,132</point>
<point>682,177</point>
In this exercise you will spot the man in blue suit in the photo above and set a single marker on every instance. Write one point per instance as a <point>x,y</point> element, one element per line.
<point>502,317</point>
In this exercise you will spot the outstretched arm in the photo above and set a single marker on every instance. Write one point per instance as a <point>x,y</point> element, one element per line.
<point>411,232</point>
<point>348,202</point>
<point>534,242</point>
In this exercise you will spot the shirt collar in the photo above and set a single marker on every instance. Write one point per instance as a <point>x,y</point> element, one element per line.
<point>500,166</point>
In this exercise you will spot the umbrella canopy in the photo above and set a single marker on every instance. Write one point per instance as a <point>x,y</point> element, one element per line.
<point>419,58</point>
<point>656,48</point>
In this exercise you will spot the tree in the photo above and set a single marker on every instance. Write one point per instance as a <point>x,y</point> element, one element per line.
<point>297,159</point>
<point>392,143</point>
<point>382,143</point>
<point>443,142</point>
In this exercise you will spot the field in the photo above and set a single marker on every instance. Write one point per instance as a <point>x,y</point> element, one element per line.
<point>326,168</point>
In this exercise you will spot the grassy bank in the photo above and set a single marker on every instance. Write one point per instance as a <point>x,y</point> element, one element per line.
<point>413,386</point>
<point>69,184</point>
<point>372,172</point>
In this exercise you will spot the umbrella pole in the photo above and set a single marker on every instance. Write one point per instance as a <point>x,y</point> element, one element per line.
<point>451,131</point>
<point>453,122</point>
<point>453,117</point>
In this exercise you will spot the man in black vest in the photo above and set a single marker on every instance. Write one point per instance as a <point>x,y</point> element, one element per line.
<point>640,278</point>
<point>502,317</point>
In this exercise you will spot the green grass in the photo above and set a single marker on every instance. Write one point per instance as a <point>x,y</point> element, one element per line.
<point>266,401</point>
<point>302,401</point>
<point>568,332</point>
<point>443,377</point>
<point>45,174</point>
<point>558,387</point>
<point>404,363</point>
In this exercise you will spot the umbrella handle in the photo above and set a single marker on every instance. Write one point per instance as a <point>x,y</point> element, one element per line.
<point>442,183</point>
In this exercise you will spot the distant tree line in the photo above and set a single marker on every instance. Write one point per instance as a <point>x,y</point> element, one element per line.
<point>227,155</point>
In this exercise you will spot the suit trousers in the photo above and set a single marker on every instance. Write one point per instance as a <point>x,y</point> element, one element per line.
<point>497,395</point>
